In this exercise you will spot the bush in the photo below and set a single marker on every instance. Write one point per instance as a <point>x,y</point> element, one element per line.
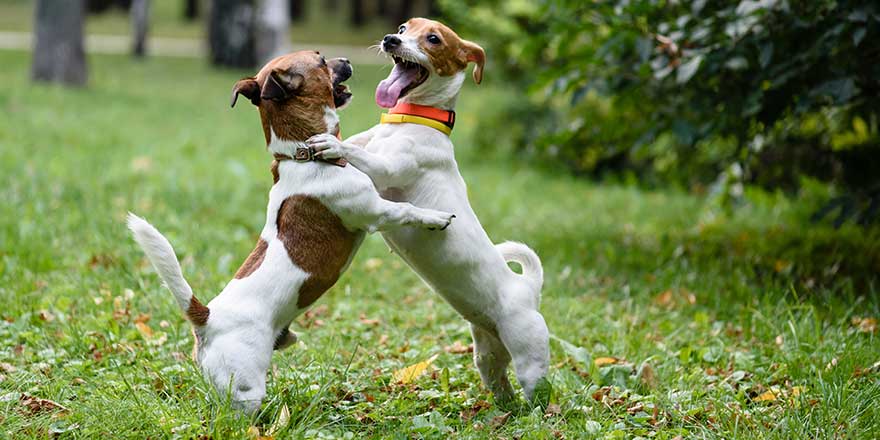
<point>762,92</point>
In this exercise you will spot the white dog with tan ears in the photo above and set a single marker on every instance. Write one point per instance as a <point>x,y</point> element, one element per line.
<point>317,215</point>
<point>410,158</point>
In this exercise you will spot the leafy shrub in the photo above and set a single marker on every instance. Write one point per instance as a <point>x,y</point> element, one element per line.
<point>759,92</point>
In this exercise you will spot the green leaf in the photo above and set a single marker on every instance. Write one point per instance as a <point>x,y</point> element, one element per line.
<point>579,354</point>
<point>687,70</point>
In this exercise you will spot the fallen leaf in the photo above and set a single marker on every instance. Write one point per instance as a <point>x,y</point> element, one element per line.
<point>865,325</point>
<point>253,433</point>
<point>602,361</point>
<point>469,413</point>
<point>35,405</point>
<point>47,316</point>
<point>767,396</point>
<point>144,329</point>
<point>143,318</point>
<point>499,421</point>
<point>647,376</point>
<point>552,410</point>
<point>281,422</point>
<point>664,298</point>
<point>635,408</point>
<point>367,321</point>
<point>412,372</point>
<point>601,393</point>
<point>383,339</point>
<point>7,367</point>
<point>459,348</point>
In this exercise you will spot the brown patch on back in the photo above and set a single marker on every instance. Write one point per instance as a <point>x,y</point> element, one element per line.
<point>316,241</point>
<point>452,54</point>
<point>197,313</point>
<point>253,260</point>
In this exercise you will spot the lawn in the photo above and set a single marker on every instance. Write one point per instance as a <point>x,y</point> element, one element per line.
<point>671,318</point>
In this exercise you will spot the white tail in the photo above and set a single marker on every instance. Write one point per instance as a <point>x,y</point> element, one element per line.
<point>161,254</point>
<point>527,258</point>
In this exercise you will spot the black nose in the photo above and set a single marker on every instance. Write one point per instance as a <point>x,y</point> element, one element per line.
<point>390,41</point>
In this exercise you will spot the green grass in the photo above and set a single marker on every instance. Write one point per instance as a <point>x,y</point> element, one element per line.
<point>319,26</point>
<point>756,299</point>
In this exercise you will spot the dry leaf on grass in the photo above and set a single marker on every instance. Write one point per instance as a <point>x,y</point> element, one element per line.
<point>865,325</point>
<point>602,361</point>
<point>499,421</point>
<point>253,433</point>
<point>144,329</point>
<point>412,372</point>
<point>281,422</point>
<point>368,321</point>
<point>34,405</point>
<point>459,348</point>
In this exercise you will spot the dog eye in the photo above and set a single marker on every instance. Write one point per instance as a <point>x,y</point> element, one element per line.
<point>433,39</point>
<point>401,29</point>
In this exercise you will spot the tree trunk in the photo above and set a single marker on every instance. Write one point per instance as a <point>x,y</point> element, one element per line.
<point>59,55</point>
<point>358,17</point>
<point>191,9</point>
<point>297,10</point>
<point>402,13</point>
<point>231,35</point>
<point>273,22</point>
<point>140,21</point>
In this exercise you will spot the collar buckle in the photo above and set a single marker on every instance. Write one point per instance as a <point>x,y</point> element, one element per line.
<point>304,154</point>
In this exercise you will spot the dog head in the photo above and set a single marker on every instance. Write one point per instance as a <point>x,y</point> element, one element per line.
<point>298,94</point>
<point>429,63</point>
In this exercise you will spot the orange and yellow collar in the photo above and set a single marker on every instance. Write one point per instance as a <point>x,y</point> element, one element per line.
<point>442,120</point>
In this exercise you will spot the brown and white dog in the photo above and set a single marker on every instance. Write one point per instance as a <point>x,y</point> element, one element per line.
<point>409,157</point>
<point>317,215</point>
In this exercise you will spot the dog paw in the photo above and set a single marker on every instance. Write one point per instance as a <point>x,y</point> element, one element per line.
<point>326,146</point>
<point>438,220</point>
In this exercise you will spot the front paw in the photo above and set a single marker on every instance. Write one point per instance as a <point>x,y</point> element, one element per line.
<point>438,220</point>
<point>326,146</point>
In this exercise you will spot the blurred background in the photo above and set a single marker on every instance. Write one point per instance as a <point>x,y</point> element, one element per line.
<point>700,179</point>
<point>705,96</point>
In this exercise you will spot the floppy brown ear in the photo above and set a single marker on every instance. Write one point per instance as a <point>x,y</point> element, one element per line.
<point>247,87</point>
<point>281,84</point>
<point>474,54</point>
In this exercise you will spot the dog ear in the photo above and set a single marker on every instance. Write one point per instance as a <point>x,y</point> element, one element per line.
<point>247,87</point>
<point>473,53</point>
<point>281,84</point>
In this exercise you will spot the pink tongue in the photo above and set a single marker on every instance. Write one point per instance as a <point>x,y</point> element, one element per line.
<point>388,91</point>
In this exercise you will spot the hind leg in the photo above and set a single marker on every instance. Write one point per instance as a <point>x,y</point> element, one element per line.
<point>527,339</point>
<point>491,359</point>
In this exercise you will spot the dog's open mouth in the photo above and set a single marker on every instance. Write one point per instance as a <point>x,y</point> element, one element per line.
<point>341,95</point>
<point>405,76</point>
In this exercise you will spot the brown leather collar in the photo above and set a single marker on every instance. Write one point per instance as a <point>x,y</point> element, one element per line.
<point>307,154</point>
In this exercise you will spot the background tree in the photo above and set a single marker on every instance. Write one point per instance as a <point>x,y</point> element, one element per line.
<point>231,33</point>
<point>59,55</point>
<point>140,21</point>
<point>695,93</point>
<point>272,30</point>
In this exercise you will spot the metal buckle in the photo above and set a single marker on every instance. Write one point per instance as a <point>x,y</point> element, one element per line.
<point>304,154</point>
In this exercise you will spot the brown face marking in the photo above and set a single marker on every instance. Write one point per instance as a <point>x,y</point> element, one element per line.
<point>452,54</point>
<point>316,241</point>
<point>253,260</point>
<point>302,114</point>
<point>197,313</point>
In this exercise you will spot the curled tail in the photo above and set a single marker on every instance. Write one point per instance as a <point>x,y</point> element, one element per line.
<point>161,254</point>
<point>527,258</point>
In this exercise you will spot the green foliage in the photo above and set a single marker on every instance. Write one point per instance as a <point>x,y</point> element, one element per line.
<point>681,91</point>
